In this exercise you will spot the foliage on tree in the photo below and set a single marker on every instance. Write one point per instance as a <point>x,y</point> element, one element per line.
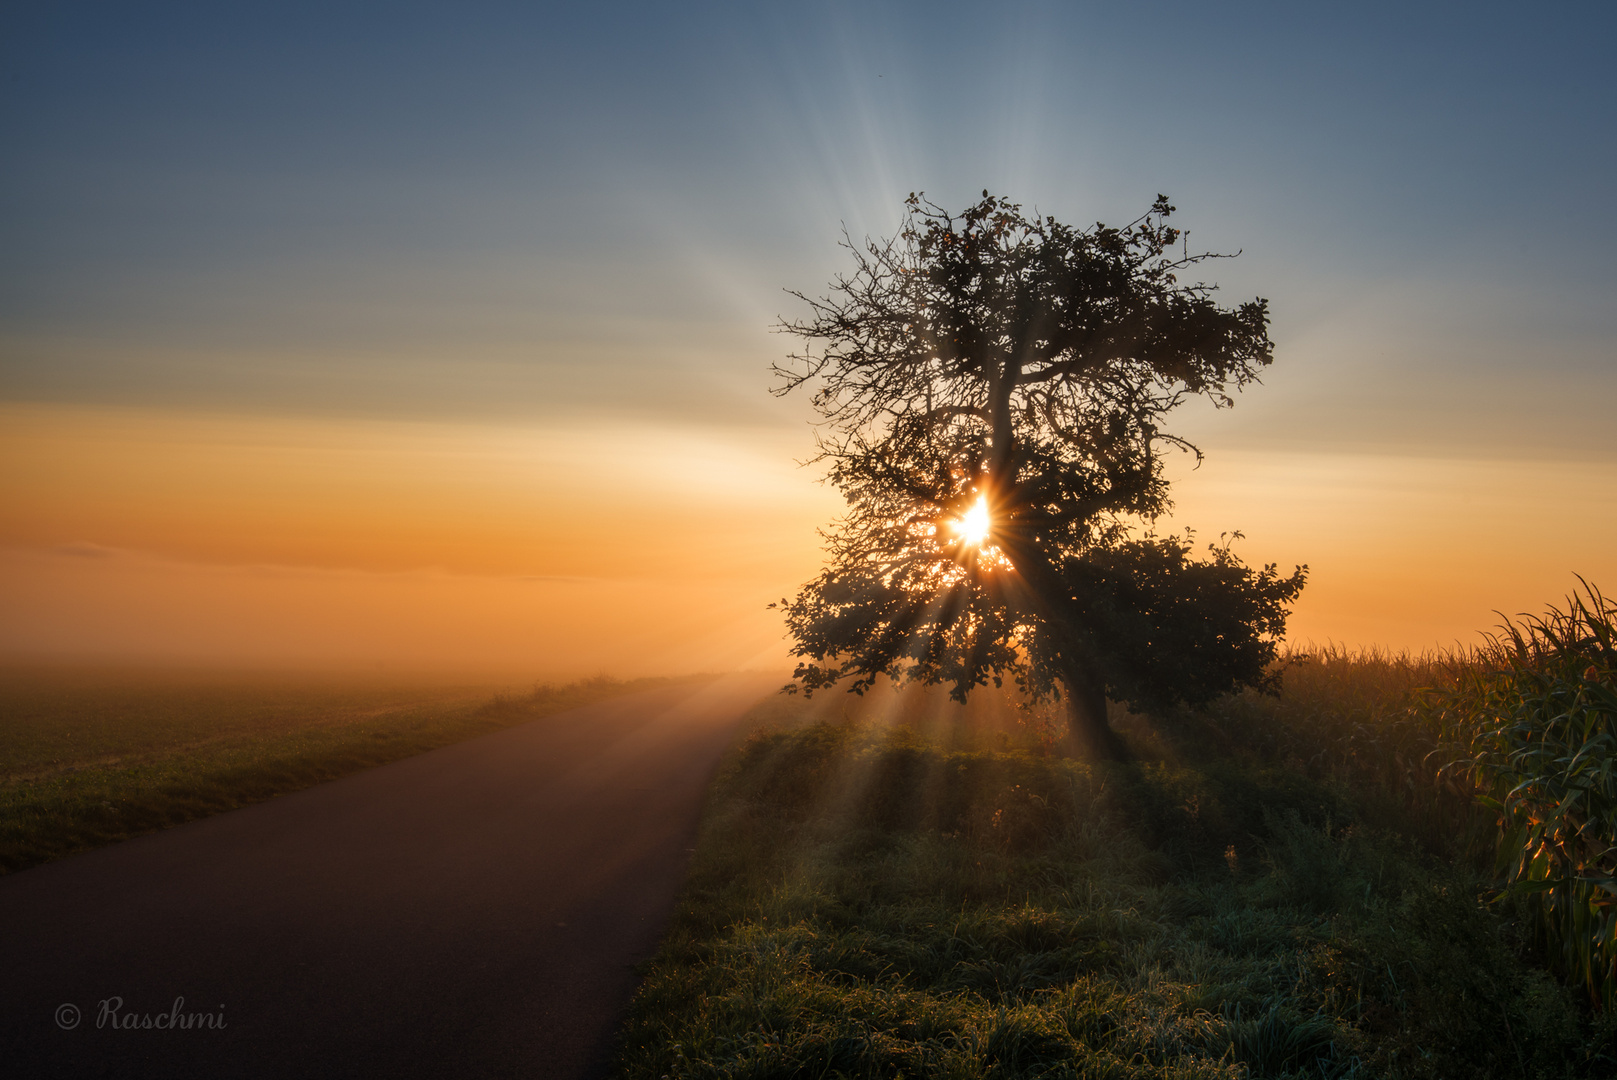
<point>992,388</point>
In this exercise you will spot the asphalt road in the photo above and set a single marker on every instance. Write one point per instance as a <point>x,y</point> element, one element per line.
<point>475,911</point>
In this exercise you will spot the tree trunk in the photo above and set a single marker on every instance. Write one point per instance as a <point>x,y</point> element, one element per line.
<point>1089,735</point>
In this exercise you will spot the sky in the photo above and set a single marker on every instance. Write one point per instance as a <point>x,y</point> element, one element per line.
<point>438,336</point>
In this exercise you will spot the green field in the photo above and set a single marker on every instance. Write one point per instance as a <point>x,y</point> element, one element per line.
<point>1271,888</point>
<point>91,757</point>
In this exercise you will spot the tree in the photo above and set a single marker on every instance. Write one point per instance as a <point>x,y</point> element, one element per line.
<point>992,388</point>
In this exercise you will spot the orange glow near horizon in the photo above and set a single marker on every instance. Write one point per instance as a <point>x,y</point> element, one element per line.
<point>189,537</point>
<point>322,542</point>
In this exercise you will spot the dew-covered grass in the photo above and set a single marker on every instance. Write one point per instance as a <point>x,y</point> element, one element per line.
<point>1271,888</point>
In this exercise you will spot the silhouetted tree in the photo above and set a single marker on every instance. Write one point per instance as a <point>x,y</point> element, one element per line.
<point>992,388</point>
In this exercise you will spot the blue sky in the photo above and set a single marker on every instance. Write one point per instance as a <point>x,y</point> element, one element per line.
<point>519,210</point>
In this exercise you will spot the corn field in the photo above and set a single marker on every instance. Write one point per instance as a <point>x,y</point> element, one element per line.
<point>1530,721</point>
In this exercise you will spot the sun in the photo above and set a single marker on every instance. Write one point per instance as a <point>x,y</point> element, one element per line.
<point>973,526</point>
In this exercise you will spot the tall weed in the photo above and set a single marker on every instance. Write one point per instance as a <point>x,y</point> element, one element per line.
<point>1532,724</point>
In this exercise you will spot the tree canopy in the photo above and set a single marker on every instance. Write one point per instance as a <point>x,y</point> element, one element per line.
<point>992,388</point>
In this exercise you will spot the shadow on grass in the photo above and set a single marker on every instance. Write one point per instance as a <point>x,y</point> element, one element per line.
<point>866,902</point>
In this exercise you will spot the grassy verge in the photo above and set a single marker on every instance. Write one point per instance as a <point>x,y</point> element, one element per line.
<point>1270,890</point>
<point>88,759</point>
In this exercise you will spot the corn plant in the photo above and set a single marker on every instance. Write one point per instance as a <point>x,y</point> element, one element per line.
<point>1531,722</point>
